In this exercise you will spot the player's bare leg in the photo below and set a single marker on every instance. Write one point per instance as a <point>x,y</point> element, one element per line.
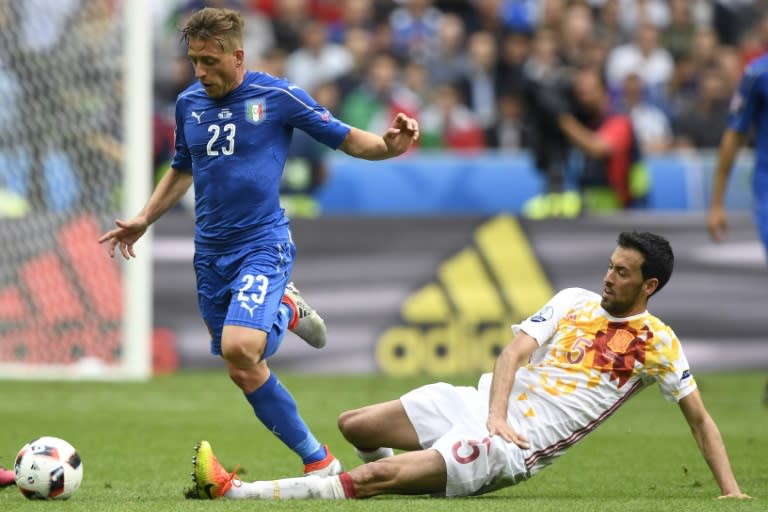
<point>418,472</point>
<point>242,349</point>
<point>384,424</point>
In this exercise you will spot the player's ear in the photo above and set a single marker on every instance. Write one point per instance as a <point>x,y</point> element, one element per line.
<point>239,57</point>
<point>650,286</point>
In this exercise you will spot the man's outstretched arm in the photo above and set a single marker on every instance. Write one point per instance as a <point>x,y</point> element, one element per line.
<point>717,222</point>
<point>514,355</point>
<point>403,132</point>
<point>711,444</point>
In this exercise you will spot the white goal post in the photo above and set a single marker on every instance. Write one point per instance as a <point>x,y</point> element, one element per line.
<point>75,153</point>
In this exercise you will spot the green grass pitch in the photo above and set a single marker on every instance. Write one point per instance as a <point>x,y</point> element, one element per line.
<point>136,442</point>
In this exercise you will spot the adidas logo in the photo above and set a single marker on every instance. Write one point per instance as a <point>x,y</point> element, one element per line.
<point>460,322</point>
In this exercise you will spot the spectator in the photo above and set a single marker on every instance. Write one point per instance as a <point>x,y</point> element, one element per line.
<point>417,81</point>
<point>596,54</point>
<point>359,43</point>
<point>633,14</point>
<point>703,123</point>
<point>575,34</point>
<point>449,62</point>
<point>546,80</point>
<point>369,106</point>
<point>551,15</point>
<point>679,92</point>
<point>478,85</point>
<point>704,48</point>
<point>643,56</point>
<point>447,123</point>
<point>612,175</point>
<point>509,132</point>
<point>271,62</point>
<point>515,50</point>
<point>415,26</point>
<point>732,18</point>
<point>355,14</point>
<point>650,123</point>
<point>520,15</point>
<point>486,16</point>
<point>678,35</point>
<point>730,66</point>
<point>607,25</point>
<point>317,60</point>
<point>288,22</point>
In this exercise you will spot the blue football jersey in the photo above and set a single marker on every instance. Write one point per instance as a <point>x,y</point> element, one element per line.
<point>749,107</point>
<point>236,147</point>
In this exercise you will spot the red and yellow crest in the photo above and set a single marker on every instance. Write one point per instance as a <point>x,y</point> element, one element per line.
<point>620,341</point>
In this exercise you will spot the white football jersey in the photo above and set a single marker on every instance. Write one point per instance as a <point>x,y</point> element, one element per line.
<point>588,364</point>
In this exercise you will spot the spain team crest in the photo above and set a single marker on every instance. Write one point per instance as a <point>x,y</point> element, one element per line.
<point>255,111</point>
<point>620,341</point>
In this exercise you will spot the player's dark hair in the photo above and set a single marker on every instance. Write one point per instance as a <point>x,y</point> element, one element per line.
<point>225,26</point>
<point>657,254</point>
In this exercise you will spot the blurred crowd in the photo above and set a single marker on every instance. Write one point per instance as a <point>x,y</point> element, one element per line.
<point>61,120</point>
<point>465,68</point>
<point>468,70</point>
<point>473,72</point>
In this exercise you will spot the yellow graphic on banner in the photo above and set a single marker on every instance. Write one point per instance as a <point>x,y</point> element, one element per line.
<point>460,321</point>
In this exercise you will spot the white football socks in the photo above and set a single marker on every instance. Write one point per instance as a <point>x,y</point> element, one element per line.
<point>378,453</point>
<point>304,487</point>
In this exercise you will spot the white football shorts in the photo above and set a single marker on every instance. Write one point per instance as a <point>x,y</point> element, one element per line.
<point>452,420</point>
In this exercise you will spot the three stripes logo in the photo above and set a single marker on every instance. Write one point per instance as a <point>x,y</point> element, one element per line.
<point>461,320</point>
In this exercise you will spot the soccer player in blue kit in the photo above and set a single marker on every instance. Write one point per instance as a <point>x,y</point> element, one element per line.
<point>233,130</point>
<point>749,109</point>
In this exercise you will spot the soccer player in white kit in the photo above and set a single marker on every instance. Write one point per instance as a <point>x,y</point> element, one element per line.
<point>568,368</point>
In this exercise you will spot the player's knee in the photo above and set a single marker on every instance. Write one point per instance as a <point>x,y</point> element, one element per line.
<point>249,379</point>
<point>242,348</point>
<point>353,425</point>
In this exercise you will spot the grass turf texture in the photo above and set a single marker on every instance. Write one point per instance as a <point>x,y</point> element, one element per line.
<point>136,443</point>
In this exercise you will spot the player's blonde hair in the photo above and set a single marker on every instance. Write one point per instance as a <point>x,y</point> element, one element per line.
<point>225,26</point>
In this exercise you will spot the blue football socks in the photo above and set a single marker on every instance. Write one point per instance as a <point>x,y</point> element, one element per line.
<point>276,409</point>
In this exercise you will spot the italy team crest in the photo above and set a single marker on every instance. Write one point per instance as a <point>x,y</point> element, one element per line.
<point>255,111</point>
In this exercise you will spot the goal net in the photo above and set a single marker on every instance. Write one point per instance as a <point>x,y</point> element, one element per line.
<point>75,86</point>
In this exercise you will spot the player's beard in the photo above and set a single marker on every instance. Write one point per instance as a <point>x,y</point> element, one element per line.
<point>616,305</point>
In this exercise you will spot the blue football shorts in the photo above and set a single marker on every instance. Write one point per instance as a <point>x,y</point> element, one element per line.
<point>242,288</point>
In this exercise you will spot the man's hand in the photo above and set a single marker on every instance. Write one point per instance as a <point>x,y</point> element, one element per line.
<point>125,235</point>
<point>717,223</point>
<point>401,135</point>
<point>500,427</point>
<point>735,496</point>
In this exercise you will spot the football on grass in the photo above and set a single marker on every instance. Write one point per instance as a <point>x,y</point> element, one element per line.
<point>48,468</point>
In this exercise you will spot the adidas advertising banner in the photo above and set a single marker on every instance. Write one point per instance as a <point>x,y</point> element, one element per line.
<point>408,296</point>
